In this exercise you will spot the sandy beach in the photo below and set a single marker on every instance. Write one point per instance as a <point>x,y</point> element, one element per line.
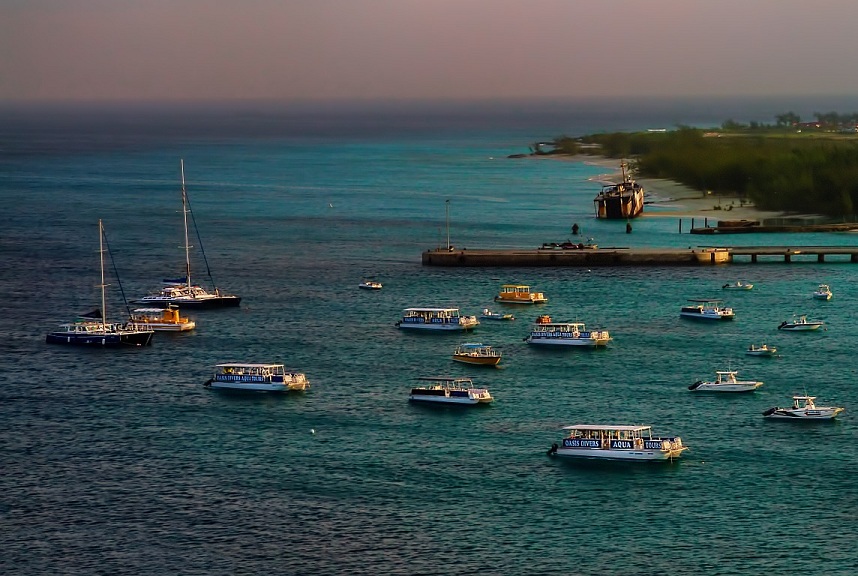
<point>681,200</point>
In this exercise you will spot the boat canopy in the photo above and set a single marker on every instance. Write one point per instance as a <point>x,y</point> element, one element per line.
<point>247,365</point>
<point>607,427</point>
<point>432,310</point>
<point>710,300</point>
<point>447,379</point>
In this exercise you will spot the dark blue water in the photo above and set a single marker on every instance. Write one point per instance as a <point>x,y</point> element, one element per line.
<point>121,462</point>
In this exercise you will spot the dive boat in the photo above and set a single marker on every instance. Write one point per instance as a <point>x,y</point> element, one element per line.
<point>800,324</point>
<point>546,332</point>
<point>183,292</point>
<point>737,285</point>
<point>823,292</point>
<point>705,309</point>
<point>803,408</point>
<point>162,319</point>
<point>620,201</point>
<point>617,442</point>
<point>256,378</point>
<point>438,319</point>
<point>519,294</point>
<point>370,285</point>
<point>477,353</point>
<point>489,315</point>
<point>725,381</point>
<point>444,390</point>
<point>762,350</point>
<point>93,329</point>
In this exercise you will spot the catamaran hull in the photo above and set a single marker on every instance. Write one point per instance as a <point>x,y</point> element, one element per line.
<point>100,341</point>
<point>567,342</point>
<point>623,455</point>
<point>447,400</point>
<point>195,303</point>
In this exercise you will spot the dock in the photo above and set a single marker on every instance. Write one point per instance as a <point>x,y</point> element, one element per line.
<point>621,256</point>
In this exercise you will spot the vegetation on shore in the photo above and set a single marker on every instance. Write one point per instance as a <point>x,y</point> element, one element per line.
<point>789,167</point>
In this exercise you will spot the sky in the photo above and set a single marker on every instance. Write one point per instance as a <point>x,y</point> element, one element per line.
<point>368,50</point>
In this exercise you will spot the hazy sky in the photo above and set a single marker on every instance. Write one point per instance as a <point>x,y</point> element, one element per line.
<point>426,49</point>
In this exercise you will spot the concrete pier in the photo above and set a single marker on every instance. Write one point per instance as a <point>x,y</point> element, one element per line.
<point>593,257</point>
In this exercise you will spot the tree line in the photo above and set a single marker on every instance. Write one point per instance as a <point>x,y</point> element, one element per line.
<point>784,174</point>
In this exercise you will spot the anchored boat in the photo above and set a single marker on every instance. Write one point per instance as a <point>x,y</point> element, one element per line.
<point>437,319</point>
<point>477,353</point>
<point>450,390</point>
<point>546,332</point>
<point>519,294</point>
<point>801,324</point>
<point>617,442</point>
<point>725,381</point>
<point>620,201</point>
<point>803,408</point>
<point>706,309</point>
<point>256,378</point>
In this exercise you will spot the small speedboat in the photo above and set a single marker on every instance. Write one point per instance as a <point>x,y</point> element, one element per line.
<point>489,315</point>
<point>823,292</point>
<point>803,408</point>
<point>738,285</point>
<point>477,353</point>
<point>801,323</point>
<point>706,309</point>
<point>725,381</point>
<point>370,285</point>
<point>762,350</point>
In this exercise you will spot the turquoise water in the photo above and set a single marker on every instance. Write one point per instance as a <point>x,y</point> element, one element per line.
<point>121,462</point>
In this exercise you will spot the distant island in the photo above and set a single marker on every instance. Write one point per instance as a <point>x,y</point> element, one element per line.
<point>791,166</point>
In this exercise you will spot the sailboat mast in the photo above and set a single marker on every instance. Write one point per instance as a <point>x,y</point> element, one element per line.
<point>185,218</point>
<point>101,257</point>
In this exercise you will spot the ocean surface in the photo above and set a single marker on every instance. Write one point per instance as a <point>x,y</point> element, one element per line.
<point>121,462</point>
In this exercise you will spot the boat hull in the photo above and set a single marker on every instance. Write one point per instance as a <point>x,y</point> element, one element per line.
<point>478,360</point>
<point>195,303</point>
<point>456,400</point>
<point>620,455</point>
<point>802,415</point>
<point>580,342</point>
<point>111,340</point>
<point>439,327</point>
<point>699,316</point>
<point>713,387</point>
<point>800,327</point>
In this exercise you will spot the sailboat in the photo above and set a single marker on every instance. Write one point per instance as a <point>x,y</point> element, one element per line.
<point>93,329</point>
<point>182,292</point>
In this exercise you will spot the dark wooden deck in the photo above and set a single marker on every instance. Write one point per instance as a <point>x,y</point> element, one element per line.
<point>592,257</point>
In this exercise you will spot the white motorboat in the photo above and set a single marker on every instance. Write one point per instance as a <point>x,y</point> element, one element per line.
<point>738,285</point>
<point>477,353</point>
<point>725,381</point>
<point>803,408</point>
<point>546,332</point>
<point>489,315</point>
<point>617,442</point>
<point>437,319</point>
<point>800,324</point>
<point>446,390</point>
<point>256,378</point>
<point>823,292</point>
<point>762,350</point>
<point>370,285</point>
<point>706,309</point>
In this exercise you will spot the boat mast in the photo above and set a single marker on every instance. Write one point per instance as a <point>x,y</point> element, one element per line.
<point>185,219</point>
<point>101,258</point>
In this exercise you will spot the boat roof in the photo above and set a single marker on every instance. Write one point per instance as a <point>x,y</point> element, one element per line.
<point>446,378</point>
<point>704,300</point>
<point>147,310</point>
<point>560,324</point>
<point>606,427</point>
<point>804,397</point>
<point>431,310</point>
<point>473,345</point>
<point>247,365</point>
<point>515,286</point>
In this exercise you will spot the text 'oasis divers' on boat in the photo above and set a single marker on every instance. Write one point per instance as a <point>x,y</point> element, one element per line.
<point>620,201</point>
<point>450,390</point>
<point>546,332</point>
<point>617,442</point>
<point>706,309</point>
<point>93,329</point>
<point>162,319</point>
<point>725,381</point>
<point>477,353</point>
<point>823,292</point>
<point>803,408</point>
<point>239,376</point>
<point>519,294</point>
<point>437,319</point>
<point>801,324</point>
<point>183,292</point>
